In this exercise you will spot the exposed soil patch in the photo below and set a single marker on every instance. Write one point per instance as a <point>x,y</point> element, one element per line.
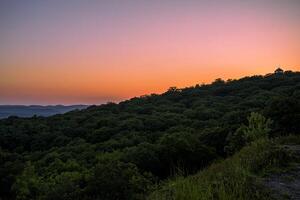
<point>286,185</point>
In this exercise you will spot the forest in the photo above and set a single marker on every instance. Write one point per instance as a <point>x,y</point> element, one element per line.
<point>126,150</point>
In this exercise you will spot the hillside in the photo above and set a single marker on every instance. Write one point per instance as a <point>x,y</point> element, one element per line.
<point>30,111</point>
<point>264,170</point>
<point>122,151</point>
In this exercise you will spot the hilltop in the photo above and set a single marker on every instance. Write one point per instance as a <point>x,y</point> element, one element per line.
<point>122,151</point>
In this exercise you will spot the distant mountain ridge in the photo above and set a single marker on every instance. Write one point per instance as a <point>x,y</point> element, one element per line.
<point>29,111</point>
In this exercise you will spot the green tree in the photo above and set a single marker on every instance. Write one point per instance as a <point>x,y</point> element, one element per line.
<point>184,150</point>
<point>28,185</point>
<point>114,180</point>
<point>285,112</point>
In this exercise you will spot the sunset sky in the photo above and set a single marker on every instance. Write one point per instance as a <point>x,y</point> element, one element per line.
<point>93,51</point>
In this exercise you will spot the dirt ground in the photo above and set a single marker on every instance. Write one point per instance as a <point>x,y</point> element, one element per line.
<point>286,185</point>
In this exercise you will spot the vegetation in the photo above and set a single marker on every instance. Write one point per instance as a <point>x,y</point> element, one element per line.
<point>122,151</point>
<point>234,178</point>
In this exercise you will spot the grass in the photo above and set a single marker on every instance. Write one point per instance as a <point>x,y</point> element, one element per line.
<point>237,177</point>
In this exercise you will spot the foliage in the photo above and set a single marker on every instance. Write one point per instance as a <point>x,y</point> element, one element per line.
<point>233,178</point>
<point>285,111</point>
<point>119,151</point>
<point>28,184</point>
<point>258,127</point>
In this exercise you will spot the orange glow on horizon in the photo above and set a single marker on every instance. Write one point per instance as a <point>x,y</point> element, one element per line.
<point>89,56</point>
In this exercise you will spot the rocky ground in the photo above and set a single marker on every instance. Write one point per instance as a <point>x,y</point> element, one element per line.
<point>286,185</point>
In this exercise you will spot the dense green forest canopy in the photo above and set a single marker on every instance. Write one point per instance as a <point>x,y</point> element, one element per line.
<point>119,151</point>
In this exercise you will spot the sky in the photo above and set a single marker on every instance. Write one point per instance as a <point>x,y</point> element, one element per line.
<point>94,51</point>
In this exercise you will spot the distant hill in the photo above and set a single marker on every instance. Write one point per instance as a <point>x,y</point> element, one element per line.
<point>29,111</point>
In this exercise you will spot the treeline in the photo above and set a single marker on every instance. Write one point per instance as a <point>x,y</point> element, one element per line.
<point>119,151</point>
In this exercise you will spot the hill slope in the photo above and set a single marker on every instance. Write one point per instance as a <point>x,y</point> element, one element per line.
<point>119,151</point>
<point>264,170</point>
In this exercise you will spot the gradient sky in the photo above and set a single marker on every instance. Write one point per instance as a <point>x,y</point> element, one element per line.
<point>93,51</point>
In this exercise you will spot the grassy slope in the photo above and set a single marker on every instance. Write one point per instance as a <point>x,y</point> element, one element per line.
<point>237,177</point>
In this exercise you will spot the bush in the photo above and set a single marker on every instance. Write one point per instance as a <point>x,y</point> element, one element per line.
<point>258,127</point>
